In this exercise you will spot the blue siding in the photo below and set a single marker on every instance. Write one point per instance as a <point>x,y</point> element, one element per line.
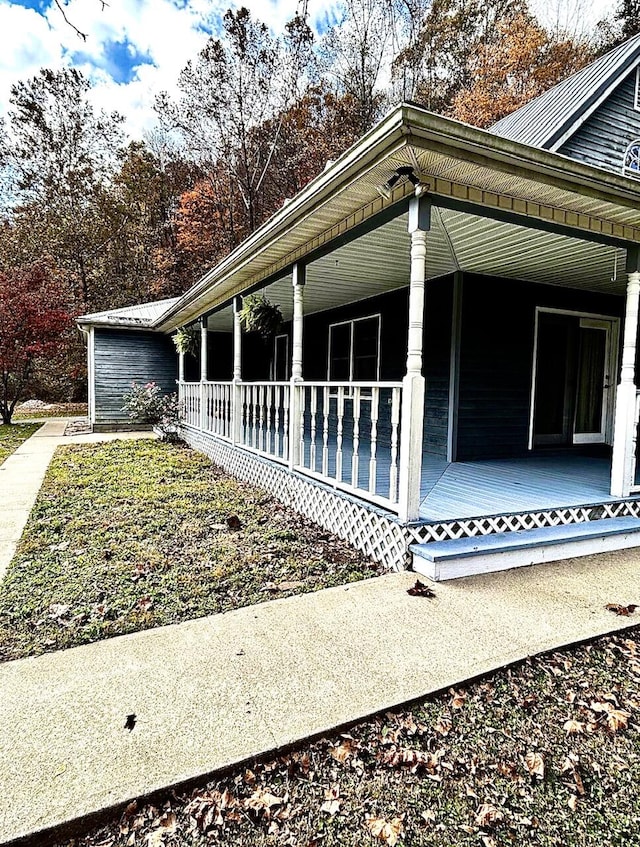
<point>603,138</point>
<point>122,357</point>
<point>496,359</point>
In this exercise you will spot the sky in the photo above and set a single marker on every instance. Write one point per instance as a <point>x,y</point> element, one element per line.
<point>137,48</point>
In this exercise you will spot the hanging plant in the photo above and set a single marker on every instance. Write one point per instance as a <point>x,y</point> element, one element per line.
<point>260,315</point>
<point>186,340</point>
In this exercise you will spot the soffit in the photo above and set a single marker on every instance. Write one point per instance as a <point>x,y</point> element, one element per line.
<point>379,262</point>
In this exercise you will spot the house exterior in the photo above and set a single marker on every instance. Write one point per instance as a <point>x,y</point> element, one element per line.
<point>455,375</point>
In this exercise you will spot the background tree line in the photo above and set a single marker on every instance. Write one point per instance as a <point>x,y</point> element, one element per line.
<point>100,221</point>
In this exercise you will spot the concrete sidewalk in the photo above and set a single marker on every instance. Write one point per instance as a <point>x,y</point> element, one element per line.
<point>22,472</point>
<point>213,692</point>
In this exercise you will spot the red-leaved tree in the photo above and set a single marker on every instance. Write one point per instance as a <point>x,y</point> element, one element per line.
<point>33,317</point>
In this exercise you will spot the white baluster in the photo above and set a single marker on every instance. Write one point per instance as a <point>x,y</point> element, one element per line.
<point>276,420</point>
<point>395,420</point>
<point>325,431</point>
<point>340,413</point>
<point>302,400</point>
<point>285,422</point>
<point>356,436</point>
<point>262,402</point>
<point>373,461</point>
<point>313,406</point>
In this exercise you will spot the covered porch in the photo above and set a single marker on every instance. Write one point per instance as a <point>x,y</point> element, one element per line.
<point>462,347</point>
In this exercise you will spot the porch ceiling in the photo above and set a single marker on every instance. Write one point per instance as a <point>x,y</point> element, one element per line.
<point>456,162</point>
<point>379,262</point>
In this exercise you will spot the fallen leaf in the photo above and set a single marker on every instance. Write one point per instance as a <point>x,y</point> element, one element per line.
<point>169,822</point>
<point>130,722</point>
<point>444,725</point>
<point>487,815</point>
<point>625,611</point>
<point>145,604</point>
<point>535,764</point>
<point>420,590</point>
<point>290,585</point>
<point>263,801</point>
<point>383,830</point>
<point>617,719</point>
<point>412,759</point>
<point>572,727</point>
<point>343,751</point>
<point>572,802</point>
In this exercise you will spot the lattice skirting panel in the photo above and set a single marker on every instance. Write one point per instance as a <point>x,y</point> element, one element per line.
<point>470,527</point>
<point>367,528</point>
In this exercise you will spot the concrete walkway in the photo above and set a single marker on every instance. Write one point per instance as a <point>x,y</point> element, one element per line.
<point>22,472</point>
<point>216,691</point>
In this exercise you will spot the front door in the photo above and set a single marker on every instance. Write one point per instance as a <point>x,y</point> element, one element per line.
<point>574,378</point>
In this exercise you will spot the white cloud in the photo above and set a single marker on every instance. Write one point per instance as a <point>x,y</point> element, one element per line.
<point>167,33</point>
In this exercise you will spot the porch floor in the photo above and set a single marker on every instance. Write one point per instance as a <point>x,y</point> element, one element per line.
<point>489,487</point>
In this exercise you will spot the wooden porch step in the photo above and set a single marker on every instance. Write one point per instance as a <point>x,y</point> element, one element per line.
<point>451,559</point>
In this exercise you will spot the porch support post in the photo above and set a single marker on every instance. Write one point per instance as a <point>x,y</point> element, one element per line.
<point>413,384</point>
<point>203,372</point>
<point>236,422</point>
<point>180,366</point>
<point>624,431</point>
<point>299,278</point>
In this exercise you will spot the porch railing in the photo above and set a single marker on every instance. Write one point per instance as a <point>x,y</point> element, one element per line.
<point>264,417</point>
<point>218,408</point>
<point>350,435</point>
<point>346,434</point>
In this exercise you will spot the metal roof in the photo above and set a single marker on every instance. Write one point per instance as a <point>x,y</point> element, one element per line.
<point>141,315</point>
<point>553,117</point>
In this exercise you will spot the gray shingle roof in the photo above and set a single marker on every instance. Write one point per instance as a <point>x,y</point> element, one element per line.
<point>141,315</point>
<point>555,115</point>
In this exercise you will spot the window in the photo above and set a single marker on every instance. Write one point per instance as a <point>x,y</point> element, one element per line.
<point>281,358</point>
<point>631,166</point>
<point>354,350</point>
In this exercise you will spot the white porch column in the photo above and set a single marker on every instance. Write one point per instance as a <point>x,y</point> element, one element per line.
<point>299,277</point>
<point>180,366</point>
<point>413,384</point>
<point>236,423</point>
<point>624,432</point>
<point>203,371</point>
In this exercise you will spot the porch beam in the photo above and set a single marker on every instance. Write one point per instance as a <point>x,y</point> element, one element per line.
<point>413,384</point>
<point>625,425</point>
<point>299,278</point>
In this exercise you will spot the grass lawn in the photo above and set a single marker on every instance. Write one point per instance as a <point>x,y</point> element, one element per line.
<point>546,753</point>
<point>12,436</point>
<point>129,535</point>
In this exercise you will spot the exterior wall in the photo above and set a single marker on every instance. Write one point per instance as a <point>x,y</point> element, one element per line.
<point>606,134</point>
<point>393,310</point>
<point>496,359</point>
<point>122,357</point>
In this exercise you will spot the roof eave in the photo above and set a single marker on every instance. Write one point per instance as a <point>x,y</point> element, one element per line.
<point>404,124</point>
